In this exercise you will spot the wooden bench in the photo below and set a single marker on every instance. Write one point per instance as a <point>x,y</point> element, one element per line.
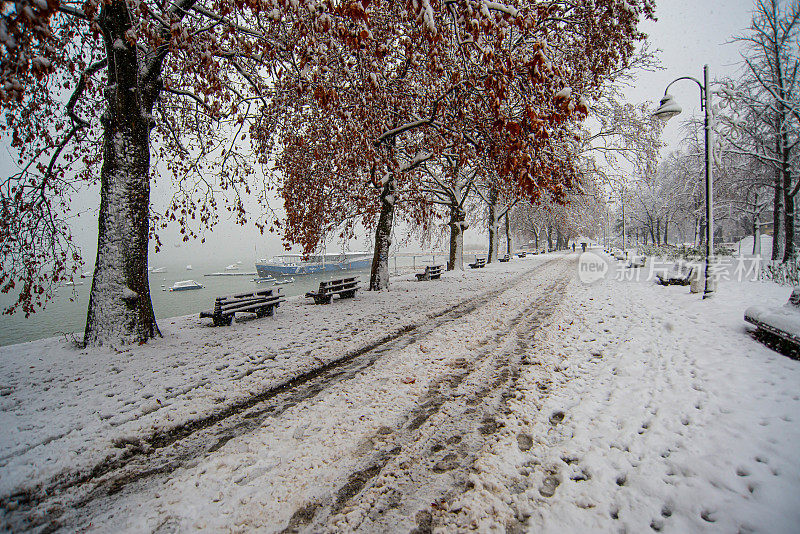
<point>680,277</point>
<point>504,259</point>
<point>479,263</point>
<point>262,303</point>
<point>344,287</point>
<point>783,322</point>
<point>432,272</point>
<point>523,254</point>
<point>638,261</point>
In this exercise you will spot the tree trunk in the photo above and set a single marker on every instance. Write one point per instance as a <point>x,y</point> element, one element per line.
<point>789,250</point>
<point>756,237</point>
<point>492,256</point>
<point>549,239</point>
<point>379,276</point>
<point>777,211</point>
<point>120,309</point>
<point>666,230</point>
<point>508,236</point>
<point>658,232</point>
<point>457,227</point>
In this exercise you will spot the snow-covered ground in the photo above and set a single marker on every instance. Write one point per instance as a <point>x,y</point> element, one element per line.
<point>65,409</point>
<point>660,412</point>
<point>744,247</point>
<point>508,398</point>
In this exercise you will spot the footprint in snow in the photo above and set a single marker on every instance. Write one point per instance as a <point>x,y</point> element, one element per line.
<point>549,485</point>
<point>556,417</point>
<point>742,472</point>
<point>709,515</point>
<point>524,442</point>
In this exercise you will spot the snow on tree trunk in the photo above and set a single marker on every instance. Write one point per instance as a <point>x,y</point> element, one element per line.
<point>457,227</point>
<point>508,236</point>
<point>379,276</point>
<point>120,310</point>
<point>492,257</point>
<point>777,211</point>
<point>789,250</point>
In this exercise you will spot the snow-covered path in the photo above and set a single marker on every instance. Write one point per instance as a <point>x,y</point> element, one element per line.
<point>652,410</point>
<point>404,421</point>
<point>534,403</point>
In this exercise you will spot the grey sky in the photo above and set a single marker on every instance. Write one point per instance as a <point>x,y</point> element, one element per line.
<point>690,34</point>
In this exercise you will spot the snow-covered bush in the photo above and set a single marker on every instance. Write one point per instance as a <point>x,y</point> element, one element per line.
<point>681,252</point>
<point>785,273</point>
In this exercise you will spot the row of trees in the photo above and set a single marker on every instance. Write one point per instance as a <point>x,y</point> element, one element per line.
<point>757,124</point>
<point>360,112</point>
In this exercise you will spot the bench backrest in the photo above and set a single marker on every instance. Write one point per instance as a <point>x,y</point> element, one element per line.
<point>433,269</point>
<point>230,302</point>
<point>248,295</point>
<point>330,286</point>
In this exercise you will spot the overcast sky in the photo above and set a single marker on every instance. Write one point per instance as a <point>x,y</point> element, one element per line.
<point>689,33</point>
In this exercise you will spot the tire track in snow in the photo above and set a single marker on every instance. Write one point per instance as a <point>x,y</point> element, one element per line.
<point>430,457</point>
<point>49,507</point>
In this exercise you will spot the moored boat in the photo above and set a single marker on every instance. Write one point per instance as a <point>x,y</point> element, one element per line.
<point>185,285</point>
<point>294,264</point>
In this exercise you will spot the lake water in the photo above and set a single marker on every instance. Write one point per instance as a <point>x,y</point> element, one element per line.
<point>66,313</point>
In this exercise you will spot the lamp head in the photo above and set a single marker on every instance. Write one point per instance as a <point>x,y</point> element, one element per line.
<point>668,108</point>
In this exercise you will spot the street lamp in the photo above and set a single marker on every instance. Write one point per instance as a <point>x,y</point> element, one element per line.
<point>667,109</point>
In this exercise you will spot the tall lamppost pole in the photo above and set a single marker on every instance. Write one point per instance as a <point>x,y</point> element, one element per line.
<point>622,199</point>
<point>668,109</point>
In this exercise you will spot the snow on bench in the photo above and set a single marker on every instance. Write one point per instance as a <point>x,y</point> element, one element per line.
<point>344,287</point>
<point>262,303</point>
<point>479,263</point>
<point>637,262</point>
<point>432,272</point>
<point>783,321</point>
<point>505,259</point>
<point>681,276</point>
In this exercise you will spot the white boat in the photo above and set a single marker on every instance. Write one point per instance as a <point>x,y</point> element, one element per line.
<point>284,281</point>
<point>265,280</point>
<point>231,267</point>
<point>159,270</point>
<point>188,267</point>
<point>294,264</point>
<point>185,285</point>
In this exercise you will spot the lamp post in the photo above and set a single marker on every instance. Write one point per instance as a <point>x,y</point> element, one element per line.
<point>667,109</point>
